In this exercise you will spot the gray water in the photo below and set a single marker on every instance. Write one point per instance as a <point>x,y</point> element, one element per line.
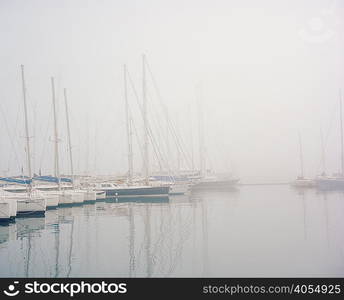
<point>255,231</point>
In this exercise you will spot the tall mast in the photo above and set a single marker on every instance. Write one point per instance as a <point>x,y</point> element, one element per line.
<point>301,155</point>
<point>178,149</point>
<point>145,123</point>
<point>128,126</point>
<point>57,169</point>
<point>341,132</point>
<point>201,135</point>
<point>69,136</point>
<point>27,137</point>
<point>323,163</point>
<point>191,139</point>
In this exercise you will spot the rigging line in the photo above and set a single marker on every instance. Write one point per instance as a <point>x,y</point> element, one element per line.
<point>158,126</point>
<point>170,125</point>
<point>141,110</point>
<point>155,150</point>
<point>164,155</point>
<point>150,133</point>
<point>138,139</point>
<point>45,139</point>
<point>16,130</point>
<point>9,135</point>
<point>177,138</point>
<point>327,133</point>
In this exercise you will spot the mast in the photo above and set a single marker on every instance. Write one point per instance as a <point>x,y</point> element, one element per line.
<point>201,135</point>
<point>178,150</point>
<point>69,137</point>
<point>57,170</point>
<point>301,155</point>
<point>27,137</point>
<point>341,133</point>
<point>323,164</point>
<point>145,123</point>
<point>128,126</point>
<point>191,140</point>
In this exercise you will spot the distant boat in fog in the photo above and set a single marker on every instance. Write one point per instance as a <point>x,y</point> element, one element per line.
<point>301,181</point>
<point>208,180</point>
<point>336,181</point>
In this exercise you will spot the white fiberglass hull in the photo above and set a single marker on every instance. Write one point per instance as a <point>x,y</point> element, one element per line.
<point>52,199</point>
<point>88,195</point>
<point>31,205</point>
<point>26,203</point>
<point>5,211</point>
<point>70,198</point>
<point>178,189</point>
<point>303,183</point>
<point>78,198</point>
<point>12,206</point>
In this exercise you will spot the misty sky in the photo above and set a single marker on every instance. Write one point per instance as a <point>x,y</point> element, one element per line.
<point>263,69</point>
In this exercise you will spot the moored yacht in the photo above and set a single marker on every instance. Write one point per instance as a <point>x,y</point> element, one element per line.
<point>335,182</point>
<point>5,211</point>
<point>114,190</point>
<point>176,187</point>
<point>215,183</point>
<point>302,182</point>
<point>30,203</point>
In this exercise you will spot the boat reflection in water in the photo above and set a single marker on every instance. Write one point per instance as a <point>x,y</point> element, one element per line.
<point>208,234</point>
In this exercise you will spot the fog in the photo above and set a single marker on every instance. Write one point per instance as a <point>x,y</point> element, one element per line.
<point>264,71</point>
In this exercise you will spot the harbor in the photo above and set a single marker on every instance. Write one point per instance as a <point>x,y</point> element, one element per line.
<point>175,139</point>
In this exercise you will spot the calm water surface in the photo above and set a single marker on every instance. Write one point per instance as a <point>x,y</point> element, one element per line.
<point>254,231</point>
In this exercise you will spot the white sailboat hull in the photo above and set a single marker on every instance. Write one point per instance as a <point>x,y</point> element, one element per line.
<point>178,189</point>
<point>52,200</point>
<point>64,199</point>
<point>24,203</point>
<point>303,183</point>
<point>88,195</point>
<point>70,198</point>
<point>12,206</point>
<point>78,198</point>
<point>5,211</point>
<point>31,205</point>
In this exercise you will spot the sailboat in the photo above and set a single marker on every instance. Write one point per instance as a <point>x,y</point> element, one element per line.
<point>65,197</point>
<point>5,210</point>
<point>89,195</point>
<point>335,182</point>
<point>206,179</point>
<point>130,189</point>
<point>31,201</point>
<point>168,175</point>
<point>301,181</point>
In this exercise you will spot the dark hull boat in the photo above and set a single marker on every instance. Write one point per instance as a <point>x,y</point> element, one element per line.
<point>335,182</point>
<point>138,199</point>
<point>330,183</point>
<point>134,191</point>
